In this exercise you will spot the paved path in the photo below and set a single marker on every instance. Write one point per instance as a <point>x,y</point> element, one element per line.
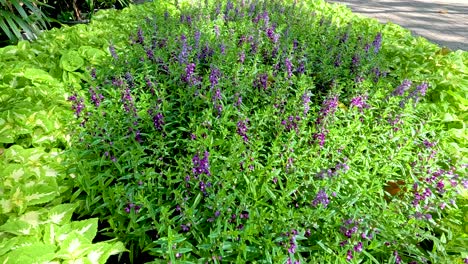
<point>444,22</point>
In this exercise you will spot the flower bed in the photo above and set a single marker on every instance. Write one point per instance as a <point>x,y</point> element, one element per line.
<point>236,132</point>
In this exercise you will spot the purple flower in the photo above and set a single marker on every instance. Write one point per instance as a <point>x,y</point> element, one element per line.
<point>197,38</point>
<point>189,70</point>
<point>216,30</point>
<point>338,61</point>
<point>95,98</point>
<point>358,247</point>
<point>201,166</point>
<point>158,120</point>
<point>377,43</point>
<point>328,108</point>
<point>349,255</point>
<point>78,105</point>
<point>359,102</point>
<point>305,102</point>
<point>217,96</point>
<point>242,129</point>
<point>113,53</point>
<point>321,198</point>
<point>355,61</point>
<point>141,39</point>
<point>150,54</point>
<point>291,123</point>
<point>270,32</point>
<point>301,68</point>
<point>261,82</point>
<point>242,57</point>
<point>320,137</point>
<point>185,228</point>
<point>400,90</point>
<point>183,55</point>
<point>397,257</point>
<point>214,77</point>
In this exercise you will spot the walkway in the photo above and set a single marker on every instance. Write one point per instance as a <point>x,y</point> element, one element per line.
<point>444,22</point>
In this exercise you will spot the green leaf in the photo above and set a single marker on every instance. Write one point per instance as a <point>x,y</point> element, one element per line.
<point>36,252</point>
<point>87,228</point>
<point>71,61</point>
<point>62,213</point>
<point>74,246</point>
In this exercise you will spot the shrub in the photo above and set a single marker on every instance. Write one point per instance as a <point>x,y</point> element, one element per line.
<point>263,132</point>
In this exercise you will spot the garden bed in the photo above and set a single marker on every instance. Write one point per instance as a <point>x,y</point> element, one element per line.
<point>233,132</point>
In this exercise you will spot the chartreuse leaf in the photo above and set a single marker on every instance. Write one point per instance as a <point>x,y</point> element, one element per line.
<point>100,252</point>
<point>62,213</point>
<point>16,227</point>
<point>41,193</point>
<point>36,252</point>
<point>87,228</point>
<point>74,246</point>
<point>71,61</point>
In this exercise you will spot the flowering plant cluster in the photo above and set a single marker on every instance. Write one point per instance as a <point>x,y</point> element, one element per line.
<point>261,131</point>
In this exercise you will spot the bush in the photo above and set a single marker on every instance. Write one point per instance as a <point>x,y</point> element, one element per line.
<point>265,132</point>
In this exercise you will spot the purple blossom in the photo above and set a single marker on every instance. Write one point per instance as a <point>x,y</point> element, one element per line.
<point>359,102</point>
<point>158,119</point>
<point>93,73</point>
<point>358,247</point>
<point>305,102</point>
<point>242,57</point>
<point>338,60</point>
<point>349,255</point>
<point>141,39</point>
<point>95,98</point>
<point>328,108</point>
<point>377,43</point>
<point>261,82</point>
<point>127,101</point>
<point>185,228</point>
<point>242,129</point>
<point>270,32</point>
<point>291,123</point>
<point>404,86</point>
<point>183,55</point>
<point>201,166</point>
<point>397,257</point>
<point>321,198</point>
<point>355,61</point>
<point>301,68</point>
<point>320,137</point>
<point>215,74</point>
<point>216,30</point>
<point>150,54</point>
<point>217,96</point>
<point>189,70</point>
<point>197,35</point>
<point>113,53</point>
<point>238,100</point>
<point>78,104</point>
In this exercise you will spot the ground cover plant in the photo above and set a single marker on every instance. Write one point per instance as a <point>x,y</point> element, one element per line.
<point>289,156</point>
<point>230,133</point>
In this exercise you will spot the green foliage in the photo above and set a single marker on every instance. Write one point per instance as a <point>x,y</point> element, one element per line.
<point>25,16</point>
<point>270,181</point>
<point>179,169</point>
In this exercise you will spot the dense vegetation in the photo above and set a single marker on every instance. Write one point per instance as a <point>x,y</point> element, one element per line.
<point>241,132</point>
